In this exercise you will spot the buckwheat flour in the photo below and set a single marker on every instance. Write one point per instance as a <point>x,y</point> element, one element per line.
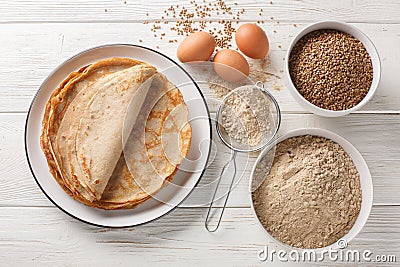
<point>245,117</point>
<point>311,196</point>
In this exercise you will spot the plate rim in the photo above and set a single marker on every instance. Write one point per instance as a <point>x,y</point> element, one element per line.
<point>66,62</point>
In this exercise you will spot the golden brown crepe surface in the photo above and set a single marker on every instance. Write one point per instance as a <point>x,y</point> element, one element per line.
<point>122,190</point>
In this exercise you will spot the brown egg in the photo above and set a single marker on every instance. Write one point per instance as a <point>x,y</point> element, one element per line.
<point>198,46</point>
<point>252,41</point>
<point>231,66</point>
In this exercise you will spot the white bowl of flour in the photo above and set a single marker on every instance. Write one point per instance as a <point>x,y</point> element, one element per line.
<point>364,207</point>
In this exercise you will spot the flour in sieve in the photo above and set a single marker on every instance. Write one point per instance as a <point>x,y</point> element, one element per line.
<point>245,117</point>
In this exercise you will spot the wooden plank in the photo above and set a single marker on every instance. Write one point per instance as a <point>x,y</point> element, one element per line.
<point>47,45</point>
<point>120,10</point>
<point>28,52</point>
<point>374,135</point>
<point>47,237</point>
<point>35,39</point>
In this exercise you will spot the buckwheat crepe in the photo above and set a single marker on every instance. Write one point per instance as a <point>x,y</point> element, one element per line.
<point>82,133</point>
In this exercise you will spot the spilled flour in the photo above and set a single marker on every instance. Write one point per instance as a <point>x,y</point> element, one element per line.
<point>260,70</point>
<point>311,196</point>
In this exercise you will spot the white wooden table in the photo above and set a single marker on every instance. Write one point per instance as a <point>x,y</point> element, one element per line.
<point>37,35</point>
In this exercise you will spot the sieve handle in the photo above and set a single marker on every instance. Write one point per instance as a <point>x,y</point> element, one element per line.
<point>233,158</point>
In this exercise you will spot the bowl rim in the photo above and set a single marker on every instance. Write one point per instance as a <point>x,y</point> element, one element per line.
<point>332,25</point>
<point>367,203</point>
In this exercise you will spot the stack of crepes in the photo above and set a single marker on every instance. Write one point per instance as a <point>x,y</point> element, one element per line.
<point>115,132</point>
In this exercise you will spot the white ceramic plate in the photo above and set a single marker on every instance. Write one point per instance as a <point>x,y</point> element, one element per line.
<point>151,209</point>
<point>365,182</point>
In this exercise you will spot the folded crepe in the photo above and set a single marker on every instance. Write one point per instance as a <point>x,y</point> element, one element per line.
<point>110,107</point>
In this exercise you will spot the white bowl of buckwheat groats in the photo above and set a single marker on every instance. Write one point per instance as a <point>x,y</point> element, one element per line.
<point>317,194</point>
<point>333,68</point>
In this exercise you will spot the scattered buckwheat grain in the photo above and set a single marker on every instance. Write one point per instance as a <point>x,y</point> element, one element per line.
<point>197,17</point>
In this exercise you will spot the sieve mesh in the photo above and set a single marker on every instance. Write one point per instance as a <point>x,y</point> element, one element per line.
<point>248,118</point>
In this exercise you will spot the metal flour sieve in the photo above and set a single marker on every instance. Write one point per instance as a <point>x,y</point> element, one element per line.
<point>247,120</point>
